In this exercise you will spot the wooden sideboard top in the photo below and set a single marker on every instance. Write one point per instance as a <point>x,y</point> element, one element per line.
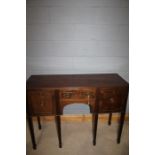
<point>75,80</point>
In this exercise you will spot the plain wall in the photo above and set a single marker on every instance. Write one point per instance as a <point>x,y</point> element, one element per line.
<point>78,36</point>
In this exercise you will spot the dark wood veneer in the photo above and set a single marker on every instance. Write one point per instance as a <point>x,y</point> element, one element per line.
<point>48,94</point>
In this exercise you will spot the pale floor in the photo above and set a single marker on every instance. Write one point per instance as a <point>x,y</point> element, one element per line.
<point>77,139</point>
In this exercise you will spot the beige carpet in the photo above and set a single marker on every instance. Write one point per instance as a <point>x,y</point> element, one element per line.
<point>77,139</point>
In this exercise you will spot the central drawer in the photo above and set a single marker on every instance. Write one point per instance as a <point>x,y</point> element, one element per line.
<point>77,95</point>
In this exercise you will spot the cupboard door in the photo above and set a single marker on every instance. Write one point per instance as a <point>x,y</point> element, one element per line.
<point>110,100</point>
<point>41,102</point>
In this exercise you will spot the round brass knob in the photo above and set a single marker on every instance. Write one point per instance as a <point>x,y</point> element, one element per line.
<point>42,104</point>
<point>112,100</point>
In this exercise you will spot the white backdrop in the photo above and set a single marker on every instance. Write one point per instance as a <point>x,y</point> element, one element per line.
<point>77,36</point>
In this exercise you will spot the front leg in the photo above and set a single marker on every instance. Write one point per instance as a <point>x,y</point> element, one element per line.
<point>30,122</point>
<point>109,120</point>
<point>95,122</point>
<point>58,127</point>
<point>122,117</point>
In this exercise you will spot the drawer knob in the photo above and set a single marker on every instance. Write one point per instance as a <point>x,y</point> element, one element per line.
<point>67,95</point>
<point>42,104</point>
<point>87,94</point>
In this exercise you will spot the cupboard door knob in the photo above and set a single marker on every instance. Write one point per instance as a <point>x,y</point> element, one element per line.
<point>112,100</point>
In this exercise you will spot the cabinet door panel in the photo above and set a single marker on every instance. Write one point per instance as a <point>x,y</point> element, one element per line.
<point>110,100</point>
<point>41,102</point>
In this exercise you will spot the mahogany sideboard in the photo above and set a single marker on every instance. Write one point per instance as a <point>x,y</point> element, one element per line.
<point>48,94</point>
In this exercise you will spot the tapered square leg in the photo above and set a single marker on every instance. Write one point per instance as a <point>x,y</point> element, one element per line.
<point>109,120</point>
<point>94,122</point>
<point>58,127</point>
<point>30,122</point>
<point>39,123</point>
<point>120,127</point>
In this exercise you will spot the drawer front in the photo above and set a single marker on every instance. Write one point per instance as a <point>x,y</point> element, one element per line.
<point>80,94</point>
<point>110,100</point>
<point>41,102</point>
<point>77,95</point>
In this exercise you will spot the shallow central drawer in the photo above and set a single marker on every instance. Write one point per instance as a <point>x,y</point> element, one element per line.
<point>77,94</point>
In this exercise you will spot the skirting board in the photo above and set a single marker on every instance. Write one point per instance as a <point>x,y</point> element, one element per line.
<point>84,118</point>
